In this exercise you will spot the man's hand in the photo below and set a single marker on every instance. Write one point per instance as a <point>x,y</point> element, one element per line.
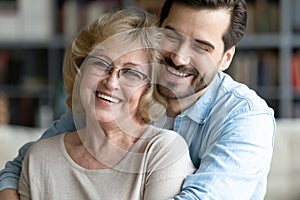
<point>9,194</point>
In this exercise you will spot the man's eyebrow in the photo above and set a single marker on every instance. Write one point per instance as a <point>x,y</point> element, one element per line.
<point>205,43</point>
<point>173,29</point>
<point>196,40</point>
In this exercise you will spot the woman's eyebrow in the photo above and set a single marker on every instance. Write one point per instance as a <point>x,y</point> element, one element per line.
<point>132,64</point>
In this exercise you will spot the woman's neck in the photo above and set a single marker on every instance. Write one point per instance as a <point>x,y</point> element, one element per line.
<point>103,146</point>
<point>122,133</point>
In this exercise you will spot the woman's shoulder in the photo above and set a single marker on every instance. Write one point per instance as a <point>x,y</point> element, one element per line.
<point>164,135</point>
<point>46,145</point>
<point>164,140</point>
<point>167,148</point>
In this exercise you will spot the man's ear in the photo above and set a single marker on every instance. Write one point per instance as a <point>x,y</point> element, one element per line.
<point>227,58</point>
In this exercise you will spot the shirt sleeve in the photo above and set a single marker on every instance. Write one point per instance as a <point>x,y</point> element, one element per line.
<point>235,164</point>
<point>9,176</point>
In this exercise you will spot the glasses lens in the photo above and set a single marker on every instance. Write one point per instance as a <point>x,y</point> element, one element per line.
<point>131,77</point>
<point>127,76</point>
<point>102,67</point>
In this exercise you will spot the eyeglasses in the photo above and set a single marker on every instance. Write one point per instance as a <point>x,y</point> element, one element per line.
<point>126,76</point>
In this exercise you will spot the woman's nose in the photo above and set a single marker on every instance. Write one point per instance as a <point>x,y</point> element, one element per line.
<point>111,82</point>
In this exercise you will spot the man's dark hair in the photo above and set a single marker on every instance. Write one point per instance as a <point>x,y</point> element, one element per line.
<point>237,8</point>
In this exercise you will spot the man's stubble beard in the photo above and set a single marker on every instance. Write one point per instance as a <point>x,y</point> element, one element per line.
<point>170,89</point>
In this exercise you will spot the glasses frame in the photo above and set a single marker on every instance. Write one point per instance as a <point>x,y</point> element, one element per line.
<point>110,69</point>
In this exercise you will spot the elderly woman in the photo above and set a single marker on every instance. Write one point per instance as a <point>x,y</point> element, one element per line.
<point>109,74</point>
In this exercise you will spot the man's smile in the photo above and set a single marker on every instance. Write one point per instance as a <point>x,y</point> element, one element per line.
<point>176,72</point>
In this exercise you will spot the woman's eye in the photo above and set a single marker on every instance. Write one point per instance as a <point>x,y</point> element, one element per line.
<point>101,64</point>
<point>132,74</point>
<point>98,66</point>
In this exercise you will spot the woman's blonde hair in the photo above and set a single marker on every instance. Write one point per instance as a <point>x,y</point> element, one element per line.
<point>136,23</point>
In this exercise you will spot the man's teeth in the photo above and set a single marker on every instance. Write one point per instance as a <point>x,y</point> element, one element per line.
<point>177,73</point>
<point>108,98</point>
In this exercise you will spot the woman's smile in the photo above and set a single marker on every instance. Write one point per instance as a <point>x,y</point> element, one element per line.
<point>107,97</point>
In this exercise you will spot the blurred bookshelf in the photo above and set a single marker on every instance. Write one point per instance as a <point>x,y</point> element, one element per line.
<point>268,57</point>
<point>36,32</point>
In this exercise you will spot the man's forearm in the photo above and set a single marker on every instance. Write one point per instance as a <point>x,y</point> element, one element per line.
<point>10,175</point>
<point>9,194</point>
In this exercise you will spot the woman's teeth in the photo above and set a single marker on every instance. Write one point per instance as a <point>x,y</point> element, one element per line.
<point>177,73</point>
<point>107,98</point>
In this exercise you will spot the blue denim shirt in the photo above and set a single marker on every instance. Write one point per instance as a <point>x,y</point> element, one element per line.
<point>230,132</point>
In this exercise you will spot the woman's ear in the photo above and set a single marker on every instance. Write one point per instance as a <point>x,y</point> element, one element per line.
<point>227,58</point>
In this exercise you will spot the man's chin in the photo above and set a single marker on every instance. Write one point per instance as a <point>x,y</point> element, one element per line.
<point>173,94</point>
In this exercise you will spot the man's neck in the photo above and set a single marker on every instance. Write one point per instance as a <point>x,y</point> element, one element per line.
<point>177,106</point>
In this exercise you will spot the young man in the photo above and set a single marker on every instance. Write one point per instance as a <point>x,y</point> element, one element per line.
<point>230,130</point>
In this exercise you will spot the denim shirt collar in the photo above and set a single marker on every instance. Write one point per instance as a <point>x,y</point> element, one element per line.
<point>199,111</point>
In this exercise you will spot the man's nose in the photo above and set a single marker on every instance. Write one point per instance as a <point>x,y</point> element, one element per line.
<point>181,56</point>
